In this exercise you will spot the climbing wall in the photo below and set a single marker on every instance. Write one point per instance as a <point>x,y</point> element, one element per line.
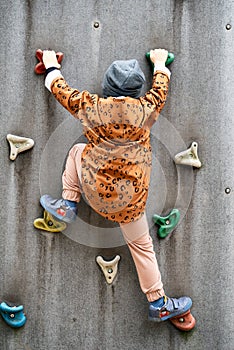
<point>55,276</point>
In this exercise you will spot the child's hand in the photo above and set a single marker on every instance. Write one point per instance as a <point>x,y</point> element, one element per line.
<point>49,59</point>
<point>158,56</point>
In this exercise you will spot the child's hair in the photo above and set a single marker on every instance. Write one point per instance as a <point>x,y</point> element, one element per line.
<point>123,78</point>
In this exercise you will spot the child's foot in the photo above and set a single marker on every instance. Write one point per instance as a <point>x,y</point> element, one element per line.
<point>170,307</point>
<point>62,209</point>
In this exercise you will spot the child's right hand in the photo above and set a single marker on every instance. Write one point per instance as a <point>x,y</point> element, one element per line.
<point>49,59</point>
<point>158,56</point>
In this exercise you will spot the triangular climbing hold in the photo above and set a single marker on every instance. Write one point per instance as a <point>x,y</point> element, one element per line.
<point>189,156</point>
<point>48,223</point>
<point>18,144</point>
<point>167,223</point>
<point>109,268</point>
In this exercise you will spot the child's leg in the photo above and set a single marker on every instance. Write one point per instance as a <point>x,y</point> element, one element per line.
<point>65,208</point>
<point>140,244</point>
<point>72,174</point>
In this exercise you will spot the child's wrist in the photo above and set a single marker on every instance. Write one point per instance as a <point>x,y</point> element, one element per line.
<point>49,65</point>
<point>159,64</point>
<point>162,68</point>
<point>50,69</point>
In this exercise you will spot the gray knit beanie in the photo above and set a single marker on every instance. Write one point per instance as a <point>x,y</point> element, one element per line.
<point>123,78</point>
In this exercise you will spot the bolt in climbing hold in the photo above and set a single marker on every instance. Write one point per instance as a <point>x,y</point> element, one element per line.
<point>109,268</point>
<point>13,315</point>
<point>48,223</point>
<point>168,223</point>
<point>18,144</point>
<point>40,68</point>
<point>170,59</point>
<point>189,156</point>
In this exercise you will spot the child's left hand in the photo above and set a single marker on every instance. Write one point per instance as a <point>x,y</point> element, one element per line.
<point>49,59</point>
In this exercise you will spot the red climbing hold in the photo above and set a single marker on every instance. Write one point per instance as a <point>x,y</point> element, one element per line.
<point>40,68</point>
<point>184,322</point>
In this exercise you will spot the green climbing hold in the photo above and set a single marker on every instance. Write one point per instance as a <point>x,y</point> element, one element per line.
<point>167,223</point>
<point>170,59</point>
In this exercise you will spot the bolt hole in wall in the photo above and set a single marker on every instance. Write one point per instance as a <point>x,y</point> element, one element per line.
<point>96,25</point>
<point>228,190</point>
<point>228,26</point>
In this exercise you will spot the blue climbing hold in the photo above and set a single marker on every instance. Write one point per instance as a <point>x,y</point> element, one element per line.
<point>13,315</point>
<point>167,223</point>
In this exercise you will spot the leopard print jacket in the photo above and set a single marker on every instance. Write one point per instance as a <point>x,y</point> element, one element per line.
<point>116,163</point>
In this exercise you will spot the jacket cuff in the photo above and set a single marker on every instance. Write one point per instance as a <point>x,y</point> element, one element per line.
<point>162,68</point>
<point>51,76</point>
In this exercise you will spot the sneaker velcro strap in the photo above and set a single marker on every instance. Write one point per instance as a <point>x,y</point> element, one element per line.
<point>175,303</point>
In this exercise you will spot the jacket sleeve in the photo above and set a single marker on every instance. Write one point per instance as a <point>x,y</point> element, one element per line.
<point>155,98</point>
<point>71,99</point>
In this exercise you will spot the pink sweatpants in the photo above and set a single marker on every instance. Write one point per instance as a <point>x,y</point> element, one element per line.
<point>136,234</point>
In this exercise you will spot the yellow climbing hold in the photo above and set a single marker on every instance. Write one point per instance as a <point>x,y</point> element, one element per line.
<point>48,223</point>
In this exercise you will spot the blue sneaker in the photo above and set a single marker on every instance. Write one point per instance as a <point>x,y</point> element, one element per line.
<point>59,208</point>
<point>172,307</point>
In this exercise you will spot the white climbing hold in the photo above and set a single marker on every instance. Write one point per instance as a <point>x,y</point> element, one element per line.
<point>189,156</point>
<point>18,144</point>
<point>109,268</point>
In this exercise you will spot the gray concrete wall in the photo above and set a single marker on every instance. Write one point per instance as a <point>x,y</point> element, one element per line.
<point>55,276</point>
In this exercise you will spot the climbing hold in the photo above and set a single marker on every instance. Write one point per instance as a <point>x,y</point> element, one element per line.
<point>40,68</point>
<point>48,223</point>
<point>184,322</point>
<point>13,315</point>
<point>170,59</point>
<point>18,144</point>
<point>109,268</point>
<point>189,156</point>
<point>167,223</point>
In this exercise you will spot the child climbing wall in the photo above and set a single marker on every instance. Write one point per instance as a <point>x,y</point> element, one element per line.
<point>113,170</point>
